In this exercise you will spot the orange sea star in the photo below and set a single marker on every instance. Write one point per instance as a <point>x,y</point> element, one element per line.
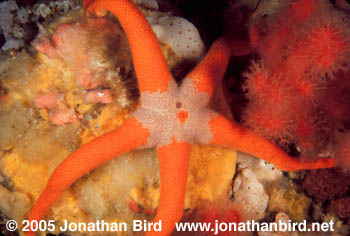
<point>171,118</point>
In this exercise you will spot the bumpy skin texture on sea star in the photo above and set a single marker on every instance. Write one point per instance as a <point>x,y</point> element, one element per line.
<point>170,118</point>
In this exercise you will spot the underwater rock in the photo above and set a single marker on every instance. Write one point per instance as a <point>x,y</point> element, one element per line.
<point>249,195</point>
<point>280,217</point>
<point>283,217</point>
<point>264,171</point>
<point>8,26</point>
<point>295,205</point>
<point>19,22</point>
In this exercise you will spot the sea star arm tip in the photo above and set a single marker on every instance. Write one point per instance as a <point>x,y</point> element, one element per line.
<point>130,135</point>
<point>144,44</point>
<point>229,134</point>
<point>211,69</point>
<point>173,164</point>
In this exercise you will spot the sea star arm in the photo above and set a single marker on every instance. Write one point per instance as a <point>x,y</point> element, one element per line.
<point>131,135</point>
<point>173,163</point>
<point>209,72</point>
<point>227,133</point>
<point>151,69</point>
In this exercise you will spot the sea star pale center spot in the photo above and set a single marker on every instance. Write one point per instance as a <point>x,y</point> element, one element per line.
<point>172,115</point>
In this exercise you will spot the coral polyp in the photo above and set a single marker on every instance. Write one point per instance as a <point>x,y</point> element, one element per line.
<point>307,44</point>
<point>323,47</point>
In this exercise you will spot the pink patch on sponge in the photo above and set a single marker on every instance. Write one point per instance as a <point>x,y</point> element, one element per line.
<point>86,79</point>
<point>71,42</point>
<point>63,116</point>
<point>98,96</point>
<point>48,100</point>
<point>44,46</point>
<point>59,113</point>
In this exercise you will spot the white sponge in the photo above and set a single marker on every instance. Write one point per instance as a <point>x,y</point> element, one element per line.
<point>180,34</point>
<point>150,4</point>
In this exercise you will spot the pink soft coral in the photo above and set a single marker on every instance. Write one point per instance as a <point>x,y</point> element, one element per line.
<point>304,49</point>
